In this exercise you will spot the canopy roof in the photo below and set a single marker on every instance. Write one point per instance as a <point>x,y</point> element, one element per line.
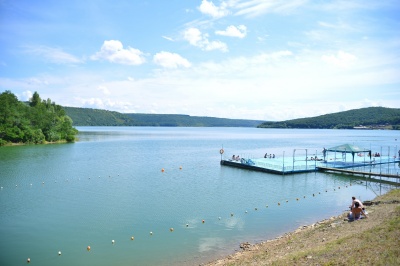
<point>348,148</point>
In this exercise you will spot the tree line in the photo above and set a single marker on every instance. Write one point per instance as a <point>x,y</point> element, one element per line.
<point>370,117</point>
<point>36,121</point>
<point>98,117</point>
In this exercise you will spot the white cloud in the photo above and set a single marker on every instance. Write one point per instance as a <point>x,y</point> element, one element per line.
<point>255,8</point>
<point>215,45</point>
<point>26,95</point>
<point>196,38</point>
<point>232,31</point>
<point>341,59</point>
<point>170,60</point>
<point>102,103</point>
<point>103,89</point>
<point>193,36</point>
<point>52,55</point>
<point>168,38</point>
<point>208,8</point>
<point>113,51</point>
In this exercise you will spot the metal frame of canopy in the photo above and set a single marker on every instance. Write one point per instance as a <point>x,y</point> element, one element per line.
<point>347,148</point>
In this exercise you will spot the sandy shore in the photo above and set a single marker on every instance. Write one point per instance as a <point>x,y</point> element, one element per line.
<point>313,237</point>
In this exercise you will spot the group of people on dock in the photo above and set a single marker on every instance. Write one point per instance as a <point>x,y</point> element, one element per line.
<point>314,159</point>
<point>356,209</point>
<point>235,158</point>
<point>270,156</point>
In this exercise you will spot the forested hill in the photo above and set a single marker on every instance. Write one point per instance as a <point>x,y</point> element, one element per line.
<point>368,118</point>
<point>98,117</point>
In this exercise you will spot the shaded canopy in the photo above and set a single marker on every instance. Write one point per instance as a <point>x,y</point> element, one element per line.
<point>348,148</point>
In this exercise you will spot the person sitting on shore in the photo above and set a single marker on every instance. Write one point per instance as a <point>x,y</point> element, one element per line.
<point>356,212</point>
<point>354,201</point>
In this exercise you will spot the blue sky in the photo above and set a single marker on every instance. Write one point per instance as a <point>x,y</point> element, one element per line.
<point>251,59</point>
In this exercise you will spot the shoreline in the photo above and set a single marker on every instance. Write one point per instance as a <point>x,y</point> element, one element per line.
<point>312,236</point>
<point>12,144</point>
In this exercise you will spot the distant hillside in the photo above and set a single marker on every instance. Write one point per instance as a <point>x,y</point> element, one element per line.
<point>98,117</point>
<point>367,118</point>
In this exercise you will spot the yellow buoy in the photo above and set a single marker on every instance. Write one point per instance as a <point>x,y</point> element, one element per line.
<point>88,248</point>
<point>132,238</point>
<point>171,229</point>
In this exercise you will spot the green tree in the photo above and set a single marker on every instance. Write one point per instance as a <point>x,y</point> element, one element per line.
<point>37,122</point>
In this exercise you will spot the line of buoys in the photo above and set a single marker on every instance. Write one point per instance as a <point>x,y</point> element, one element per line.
<point>171,229</point>
<point>187,225</point>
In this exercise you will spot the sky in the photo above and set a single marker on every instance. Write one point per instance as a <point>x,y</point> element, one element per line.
<point>269,60</point>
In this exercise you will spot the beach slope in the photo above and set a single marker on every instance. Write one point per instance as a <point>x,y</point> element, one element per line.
<point>335,241</point>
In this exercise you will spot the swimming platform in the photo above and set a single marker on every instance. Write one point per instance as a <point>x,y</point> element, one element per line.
<point>302,164</point>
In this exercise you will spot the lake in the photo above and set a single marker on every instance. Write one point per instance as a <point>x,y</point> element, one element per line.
<point>166,188</point>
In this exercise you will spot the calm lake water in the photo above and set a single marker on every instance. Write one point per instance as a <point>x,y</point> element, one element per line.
<point>110,186</point>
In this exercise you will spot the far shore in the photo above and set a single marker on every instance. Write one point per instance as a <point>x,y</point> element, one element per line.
<point>333,241</point>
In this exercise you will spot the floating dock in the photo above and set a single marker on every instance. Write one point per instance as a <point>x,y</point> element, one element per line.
<point>293,165</point>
